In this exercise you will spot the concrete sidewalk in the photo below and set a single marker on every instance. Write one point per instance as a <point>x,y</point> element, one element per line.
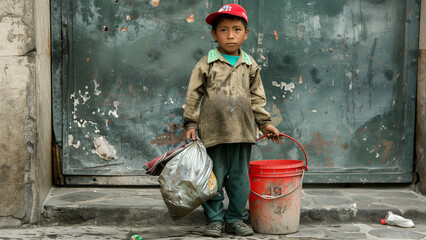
<point>118,213</point>
<point>145,207</point>
<point>176,232</point>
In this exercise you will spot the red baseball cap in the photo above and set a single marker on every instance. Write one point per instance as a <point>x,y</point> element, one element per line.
<point>231,9</point>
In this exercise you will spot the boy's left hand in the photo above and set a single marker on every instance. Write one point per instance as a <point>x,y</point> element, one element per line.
<point>272,132</point>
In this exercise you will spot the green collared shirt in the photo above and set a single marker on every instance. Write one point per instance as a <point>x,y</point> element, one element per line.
<point>224,101</point>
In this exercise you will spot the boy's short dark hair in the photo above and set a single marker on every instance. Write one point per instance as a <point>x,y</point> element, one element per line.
<point>219,18</point>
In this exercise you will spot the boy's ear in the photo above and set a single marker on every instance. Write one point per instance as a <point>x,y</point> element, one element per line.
<point>245,36</point>
<point>214,35</point>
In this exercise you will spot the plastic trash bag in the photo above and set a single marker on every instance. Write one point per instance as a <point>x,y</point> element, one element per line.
<point>156,166</point>
<point>187,180</point>
<point>396,220</point>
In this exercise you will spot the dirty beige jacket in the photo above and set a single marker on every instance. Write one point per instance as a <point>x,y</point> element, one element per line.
<point>224,101</point>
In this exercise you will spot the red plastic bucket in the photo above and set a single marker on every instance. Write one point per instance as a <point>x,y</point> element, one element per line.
<point>276,192</point>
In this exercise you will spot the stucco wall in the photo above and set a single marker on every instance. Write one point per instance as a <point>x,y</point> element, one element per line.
<point>24,110</point>
<point>420,161</point>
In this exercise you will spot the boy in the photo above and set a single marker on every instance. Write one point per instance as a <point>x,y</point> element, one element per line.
<point>226,85</point>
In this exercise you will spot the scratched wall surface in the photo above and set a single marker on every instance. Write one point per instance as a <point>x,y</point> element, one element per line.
<point>129,68</point>
<point>333,73</point>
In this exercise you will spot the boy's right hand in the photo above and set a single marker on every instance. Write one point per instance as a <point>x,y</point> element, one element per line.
<point>191,133</point>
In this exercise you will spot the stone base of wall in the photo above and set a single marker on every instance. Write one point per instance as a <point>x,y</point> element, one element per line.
<point>17,141</point>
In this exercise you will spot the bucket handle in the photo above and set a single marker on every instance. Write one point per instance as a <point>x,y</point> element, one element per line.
<point>306,156</point>
<point>268,197</point>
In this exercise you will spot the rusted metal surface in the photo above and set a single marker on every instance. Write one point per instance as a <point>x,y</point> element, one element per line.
<point>339,77</point>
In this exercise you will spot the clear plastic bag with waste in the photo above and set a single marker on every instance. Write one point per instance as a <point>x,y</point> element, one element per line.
<point>187,180</point>
<point>396,220</point>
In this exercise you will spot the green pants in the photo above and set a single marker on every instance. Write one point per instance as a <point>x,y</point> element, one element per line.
<point>230,165</point>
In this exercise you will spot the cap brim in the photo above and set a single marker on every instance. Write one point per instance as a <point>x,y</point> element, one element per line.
<point>211,17</point>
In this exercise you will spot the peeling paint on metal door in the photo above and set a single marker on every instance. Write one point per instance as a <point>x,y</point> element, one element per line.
<point>339,77</point>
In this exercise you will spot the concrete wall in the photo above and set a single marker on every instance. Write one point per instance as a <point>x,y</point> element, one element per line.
<point>420,161</point>
<point>25,110</point>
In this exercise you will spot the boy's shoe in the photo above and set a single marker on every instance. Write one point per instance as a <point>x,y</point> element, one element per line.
<point>213,229</point>
<point>239,228</point>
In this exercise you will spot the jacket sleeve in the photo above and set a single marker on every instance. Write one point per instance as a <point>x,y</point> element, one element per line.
<point>194,96</point>
<point>258,98</point>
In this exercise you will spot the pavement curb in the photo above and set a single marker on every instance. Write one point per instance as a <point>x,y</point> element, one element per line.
<point>126,207</point>
<point>113,215</point>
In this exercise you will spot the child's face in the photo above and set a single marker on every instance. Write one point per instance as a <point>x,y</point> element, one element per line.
<point>230,34</point>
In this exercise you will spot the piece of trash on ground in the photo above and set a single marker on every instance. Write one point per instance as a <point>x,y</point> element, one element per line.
<point>136,237</point>
<point>396,220</point>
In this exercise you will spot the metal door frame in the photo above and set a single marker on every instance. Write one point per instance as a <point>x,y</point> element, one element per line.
<point>61,76</point>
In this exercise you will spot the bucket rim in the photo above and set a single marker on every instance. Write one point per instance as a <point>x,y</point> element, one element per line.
<point>277,163</point>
